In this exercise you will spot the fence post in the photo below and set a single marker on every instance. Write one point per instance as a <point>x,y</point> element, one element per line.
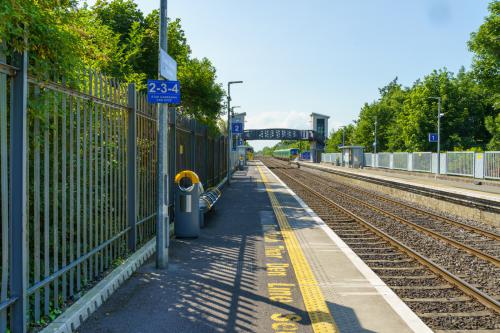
<point>193,145</point>
<point>132,168</point>
<point>175,149</point>
<point>217,171</point>
<point>18,183</point>
<point>205,140</point>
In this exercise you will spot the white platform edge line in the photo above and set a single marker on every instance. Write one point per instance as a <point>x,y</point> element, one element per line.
<point>405,313</point>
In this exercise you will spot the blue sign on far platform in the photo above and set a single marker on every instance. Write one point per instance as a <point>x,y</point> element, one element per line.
<point>237,128</point>
<point>161,91</point>
<point>433,137</point>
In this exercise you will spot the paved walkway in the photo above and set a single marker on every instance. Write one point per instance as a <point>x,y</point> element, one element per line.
<point>216,283</point>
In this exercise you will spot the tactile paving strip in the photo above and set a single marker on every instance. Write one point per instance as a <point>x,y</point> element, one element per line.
<point>316,307</point>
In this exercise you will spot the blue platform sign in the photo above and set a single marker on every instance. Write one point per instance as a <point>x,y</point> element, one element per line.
<point>433,137</point>
<point>237,128</point>
<point>161,91</point>
<point>240,142</point>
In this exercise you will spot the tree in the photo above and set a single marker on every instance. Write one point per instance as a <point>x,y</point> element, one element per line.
<point>485,44</point>
<point>385,112</point>
<point>336,137</point>
<point>45,25</point>
<point>464,106</point>
<point>119,15</point>
<point>493,126</point>
<point>202,96</point>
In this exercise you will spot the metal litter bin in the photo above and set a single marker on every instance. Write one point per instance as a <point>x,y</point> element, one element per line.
<point>241,163</point>
<point>187,204</point>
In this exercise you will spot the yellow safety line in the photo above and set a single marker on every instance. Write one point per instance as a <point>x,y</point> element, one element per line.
<point>321,318</point>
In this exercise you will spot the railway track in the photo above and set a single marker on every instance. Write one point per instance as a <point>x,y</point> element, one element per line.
<point>479,242</point>
<point>445,297</point>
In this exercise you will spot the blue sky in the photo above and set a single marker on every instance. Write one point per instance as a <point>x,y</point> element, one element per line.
<point>325,56</point>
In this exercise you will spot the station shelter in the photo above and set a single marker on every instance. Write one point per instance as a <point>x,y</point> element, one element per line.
<point>352,156</point>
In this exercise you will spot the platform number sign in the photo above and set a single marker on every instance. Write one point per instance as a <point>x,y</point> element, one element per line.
<point>433,137</point>
<point>237,128</point>
<point>162,91</point>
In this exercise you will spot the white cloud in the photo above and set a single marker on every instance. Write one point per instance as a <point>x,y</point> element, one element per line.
<point>279,119</point>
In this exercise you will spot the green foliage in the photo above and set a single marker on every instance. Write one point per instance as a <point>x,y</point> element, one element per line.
<point>38,26</point>
<point>493,126</point>
<point>119,15</point>
<point>486,46</point>
<point>336,138</point>
<point>405,116</point>
<point>113,37</point>
<point>202,96</point>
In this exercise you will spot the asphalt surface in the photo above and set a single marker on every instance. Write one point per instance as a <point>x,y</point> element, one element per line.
<point>217,282</point>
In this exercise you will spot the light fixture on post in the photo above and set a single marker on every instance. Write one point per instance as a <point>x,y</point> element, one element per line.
<point>229,134</point>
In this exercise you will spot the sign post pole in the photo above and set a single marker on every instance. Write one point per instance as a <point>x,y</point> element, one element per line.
<point>229,134</point>
<point>162,216</point>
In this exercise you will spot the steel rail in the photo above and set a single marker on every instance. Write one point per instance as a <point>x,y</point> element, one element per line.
<point>461,199</point>
<point>462,225</point>
<point>464,286</point>
<point>495,261</point>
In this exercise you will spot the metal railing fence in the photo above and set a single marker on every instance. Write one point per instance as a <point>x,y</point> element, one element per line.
<point>492,164</point>
<point>331,158</point>
<point>384,160</point>
<point>422,161</point>
<point>460,163</point>
<point>6,82</point>
<point>465,163</point>
<point>369,159</point>
<point>400,161</point>
<point>78,165</point>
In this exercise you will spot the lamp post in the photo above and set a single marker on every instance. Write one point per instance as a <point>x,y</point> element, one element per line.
<point>229,134</point>
<point>439,115</point>
<point>375,134</point>
<point>343,135</point>
<point>343,144</point>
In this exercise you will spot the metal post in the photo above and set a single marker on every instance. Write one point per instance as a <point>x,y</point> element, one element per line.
<point>205,158</point>
<point>229,136</point>
<point>193,145</point>
<point>229,132</point>
<point>132,168</point>
<point>439,137</point>
<point>18,187</point>
<point>172,112</point>
<point>375,145</point>
<point>162,216</point>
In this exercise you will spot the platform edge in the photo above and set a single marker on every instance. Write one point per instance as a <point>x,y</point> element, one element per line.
<point>404,312</point>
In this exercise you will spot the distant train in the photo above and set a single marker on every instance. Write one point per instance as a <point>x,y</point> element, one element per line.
<point>287,154</point>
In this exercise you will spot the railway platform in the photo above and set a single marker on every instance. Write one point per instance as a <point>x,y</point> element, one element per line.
<point>264,263</point>
<point>487,190</point>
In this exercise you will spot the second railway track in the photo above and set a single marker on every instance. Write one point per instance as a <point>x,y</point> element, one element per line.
<point>442,289</point>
